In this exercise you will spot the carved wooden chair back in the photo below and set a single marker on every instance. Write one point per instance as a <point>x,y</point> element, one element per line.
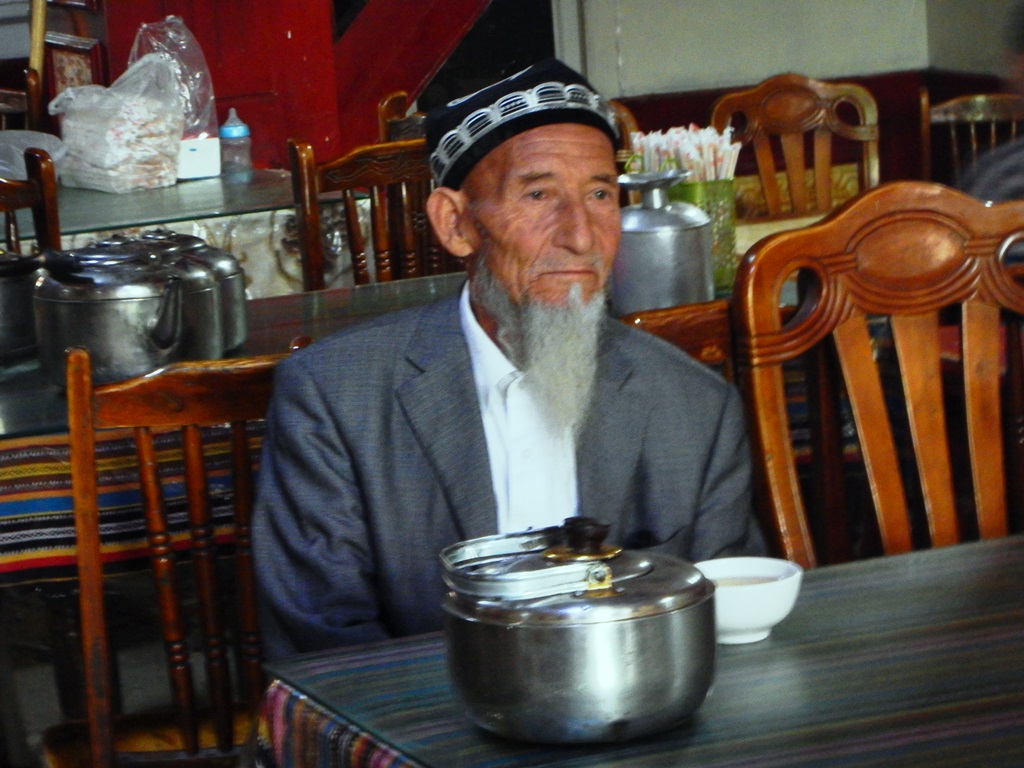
<point>394,120</point>
<point>627,125</point>
<point>781,115</point>
<point>39,193</point>
<point>703,330</point>
<point>974,124</point>
<point>184,399</point>
<point>394,178</point>
<point>907,288</point>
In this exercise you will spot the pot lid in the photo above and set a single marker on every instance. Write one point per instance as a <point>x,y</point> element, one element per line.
<point>92,274</point>
<point>17,264</point>
<point>566,575</point>
<point>169,241</point>
<point>193,249</point>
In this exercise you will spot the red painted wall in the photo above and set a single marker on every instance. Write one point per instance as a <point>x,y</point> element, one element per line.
<point>277,63</point>
<point>394,45</point>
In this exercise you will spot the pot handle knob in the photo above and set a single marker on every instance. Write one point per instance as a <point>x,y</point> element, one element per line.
<point>583,539</point>
<point>584,535</point>
<point>62,262</point>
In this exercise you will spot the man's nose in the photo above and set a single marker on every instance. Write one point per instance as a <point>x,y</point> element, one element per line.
<point>575,228</point>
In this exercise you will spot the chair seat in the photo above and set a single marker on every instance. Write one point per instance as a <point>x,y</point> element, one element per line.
<point>149,737</point>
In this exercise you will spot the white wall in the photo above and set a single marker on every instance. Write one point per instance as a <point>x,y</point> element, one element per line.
<point>14,29</point>
<point>633,47</point>
<point>967,36</point>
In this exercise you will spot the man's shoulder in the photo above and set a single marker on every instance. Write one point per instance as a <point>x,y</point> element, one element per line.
<point>998,175</point>
<point>385,335</point>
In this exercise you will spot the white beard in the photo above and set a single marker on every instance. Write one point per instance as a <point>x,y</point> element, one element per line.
<point>555,347</point>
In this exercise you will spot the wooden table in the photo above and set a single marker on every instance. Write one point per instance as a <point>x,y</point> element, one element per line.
<point>906,660</point>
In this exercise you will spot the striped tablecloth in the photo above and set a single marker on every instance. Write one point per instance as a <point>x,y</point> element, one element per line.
<point>908,660</point>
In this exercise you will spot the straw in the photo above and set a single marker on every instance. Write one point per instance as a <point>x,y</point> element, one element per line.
<point>707,154</point>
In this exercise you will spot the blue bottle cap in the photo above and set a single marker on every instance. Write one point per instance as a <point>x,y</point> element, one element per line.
<point>233,128</point>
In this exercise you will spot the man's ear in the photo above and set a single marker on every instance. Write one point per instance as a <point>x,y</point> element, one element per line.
<point>448,210</point>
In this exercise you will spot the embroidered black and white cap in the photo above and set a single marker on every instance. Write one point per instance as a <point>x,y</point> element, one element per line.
<point>463,131</point>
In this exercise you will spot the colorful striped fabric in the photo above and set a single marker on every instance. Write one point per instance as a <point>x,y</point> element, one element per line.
<point>37,534</point>
<point>294,732</point>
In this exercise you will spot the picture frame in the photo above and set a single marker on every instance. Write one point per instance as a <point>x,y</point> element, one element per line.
<point>88,5</point>
<point>71,61</point>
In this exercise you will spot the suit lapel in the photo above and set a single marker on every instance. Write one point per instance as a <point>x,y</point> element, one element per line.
<point>439,400</point>
<point>609,446</point>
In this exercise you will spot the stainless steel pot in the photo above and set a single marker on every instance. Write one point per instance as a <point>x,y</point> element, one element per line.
<point>664,256</point>
<point>131,309</point>
<point>554,637</point>
<point>17,329</point>
<point>225,268</point>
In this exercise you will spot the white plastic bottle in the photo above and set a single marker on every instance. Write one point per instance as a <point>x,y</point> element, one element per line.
<point>235,149</point>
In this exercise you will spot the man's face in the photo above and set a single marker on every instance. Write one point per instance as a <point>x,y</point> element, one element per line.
<point>545,205</point>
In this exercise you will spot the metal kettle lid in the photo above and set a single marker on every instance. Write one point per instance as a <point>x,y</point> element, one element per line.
<point>170,241</point>
<point>193,249</point>
<point>104,273</point>
<point>546,576</point>
<point>655,211</point>
<point>18,264</point>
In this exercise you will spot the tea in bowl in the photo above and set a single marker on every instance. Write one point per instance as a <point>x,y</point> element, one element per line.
<point>752,595</point>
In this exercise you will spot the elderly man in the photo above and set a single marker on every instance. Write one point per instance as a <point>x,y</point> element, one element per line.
<point>515,405</point>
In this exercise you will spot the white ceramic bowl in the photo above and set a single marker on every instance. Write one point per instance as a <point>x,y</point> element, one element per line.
<point>752,595</point>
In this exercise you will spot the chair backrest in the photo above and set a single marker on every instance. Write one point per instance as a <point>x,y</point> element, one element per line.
<point>38,193</point>
<point>785,113</point>
<point>626,122</point>
<point>906,287</point>
<point>394,120</point>
<point>702,329</point>
<point>974,124</point>
<point>24,104</point>
<point>394,180</point>
<point>186,398</point>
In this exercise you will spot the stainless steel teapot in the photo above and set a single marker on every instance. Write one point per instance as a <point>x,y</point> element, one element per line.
<point>225,268</point>
<point>664,256</point>
<point>18,273</point>
<point>131,309</point>
<point>553,636</point>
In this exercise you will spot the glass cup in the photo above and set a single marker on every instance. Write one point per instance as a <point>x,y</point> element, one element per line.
<point>717,199</point>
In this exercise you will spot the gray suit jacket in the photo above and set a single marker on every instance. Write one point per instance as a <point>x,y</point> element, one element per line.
<point>375,459</point>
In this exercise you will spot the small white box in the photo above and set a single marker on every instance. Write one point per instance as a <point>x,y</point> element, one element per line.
<point>199,158</point>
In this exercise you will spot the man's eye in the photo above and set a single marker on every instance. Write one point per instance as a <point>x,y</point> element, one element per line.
<point>536,194</point>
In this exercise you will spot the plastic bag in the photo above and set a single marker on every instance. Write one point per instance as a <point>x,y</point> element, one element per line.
<point>12,151</point>
<point>173,39</point>
<point>126,136</point>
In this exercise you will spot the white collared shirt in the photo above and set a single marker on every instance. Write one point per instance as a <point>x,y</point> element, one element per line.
<point>533,471</point>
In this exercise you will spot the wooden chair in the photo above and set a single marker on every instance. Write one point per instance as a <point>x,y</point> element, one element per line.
<point>395,178</point>
<point>703,330</point>
<point>906,286</point>
<point>782,116</point>
<point>974,124</point>
<point>394,121</point>
<point>184,397</point>
<point>26,105</point>
<point>38,193</point>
